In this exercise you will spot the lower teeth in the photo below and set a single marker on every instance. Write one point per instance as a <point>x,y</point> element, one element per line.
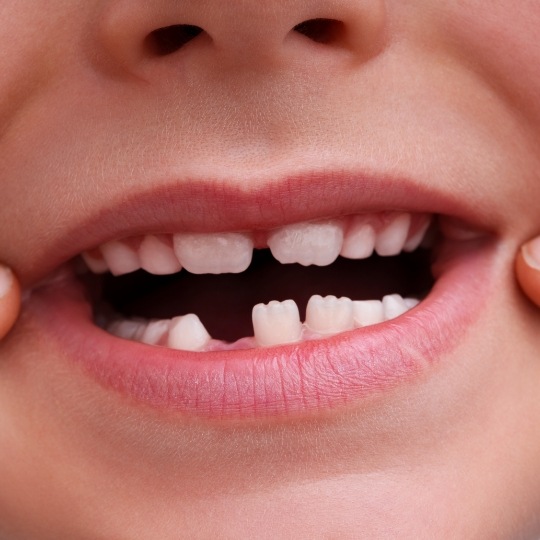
<point>143,308</point>
<point>275,323</point>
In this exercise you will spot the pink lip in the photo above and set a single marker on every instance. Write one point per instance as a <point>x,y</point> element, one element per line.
<point>277,381</point>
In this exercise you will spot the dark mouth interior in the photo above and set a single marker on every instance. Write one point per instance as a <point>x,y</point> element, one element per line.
<point>224,302</point>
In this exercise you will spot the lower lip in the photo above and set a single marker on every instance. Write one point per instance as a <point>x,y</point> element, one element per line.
<point>278,381</point>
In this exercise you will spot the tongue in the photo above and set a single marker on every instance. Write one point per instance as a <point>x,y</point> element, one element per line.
<point>224,302</point>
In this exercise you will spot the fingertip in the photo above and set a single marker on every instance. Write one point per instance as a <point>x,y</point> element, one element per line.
<point>10,300</point>
<point>528,270</point>
<point>531,253</point>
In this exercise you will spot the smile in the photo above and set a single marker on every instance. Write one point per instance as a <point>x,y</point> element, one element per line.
<point>267,314</point>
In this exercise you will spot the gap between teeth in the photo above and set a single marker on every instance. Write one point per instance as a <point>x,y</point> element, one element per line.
<point>307,243</point>
<point>275,323</point>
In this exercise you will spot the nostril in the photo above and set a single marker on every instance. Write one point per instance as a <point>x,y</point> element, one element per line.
<point>169,39</point>
<point>326,31</point>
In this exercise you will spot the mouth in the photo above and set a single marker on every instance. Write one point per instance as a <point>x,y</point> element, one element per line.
<point>276,316</point>
<point>240,290</point>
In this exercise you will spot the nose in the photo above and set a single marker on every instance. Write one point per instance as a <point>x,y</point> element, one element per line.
<point>262,34</point>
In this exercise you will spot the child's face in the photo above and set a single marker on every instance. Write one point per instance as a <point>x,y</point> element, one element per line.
<point>380,113</point>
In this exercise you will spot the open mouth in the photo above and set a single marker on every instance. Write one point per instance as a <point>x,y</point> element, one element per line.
<point>269,305</point>
<point>229,291</point>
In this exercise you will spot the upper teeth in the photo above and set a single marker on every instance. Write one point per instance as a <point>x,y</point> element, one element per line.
<point>310,243</point>
<point>157,256</point>
<point>214,253</point>
<point>391,240</point>
<point>120,257</point>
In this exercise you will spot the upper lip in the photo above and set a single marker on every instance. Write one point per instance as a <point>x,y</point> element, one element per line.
<point>205,205</point>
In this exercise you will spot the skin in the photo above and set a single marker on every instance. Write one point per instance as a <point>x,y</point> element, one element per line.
<point>452,455</point>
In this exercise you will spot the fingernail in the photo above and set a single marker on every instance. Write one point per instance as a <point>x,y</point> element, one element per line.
<point>531,253</point>
<point>6,280</point>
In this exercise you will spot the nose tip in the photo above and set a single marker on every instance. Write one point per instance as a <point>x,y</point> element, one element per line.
<point>136,33</point>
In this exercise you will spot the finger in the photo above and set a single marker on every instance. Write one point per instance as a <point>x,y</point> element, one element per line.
<point>10,300</point>
<point>528,269</point>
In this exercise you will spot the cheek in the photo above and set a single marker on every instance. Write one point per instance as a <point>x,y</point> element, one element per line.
<point>499,40</point>
<point>498,43</point>
<point>35,45</point>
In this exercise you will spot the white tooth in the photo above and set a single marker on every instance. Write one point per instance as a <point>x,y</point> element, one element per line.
<point>394,306</point>
<point>276,323</point>
<point>157,257</point>
<point>391,239</point>
<point>307,243</point>
<point>214,253</point>
<point>329,315</point>
<point>98,266</point>
<point>367,312</point>
<point>188,333</point>
<point>120,258</point>
<point>411,302</point>
<point>359,240</point>
<point>155,331</point>
<point>127,329</point>
<point>414,241</point>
